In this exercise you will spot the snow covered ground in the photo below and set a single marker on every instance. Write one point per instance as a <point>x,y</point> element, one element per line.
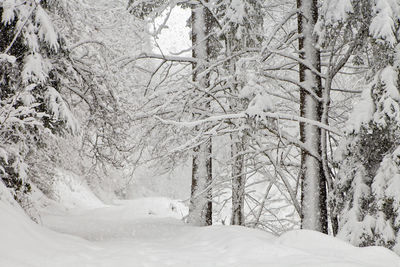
<point>149,232</point>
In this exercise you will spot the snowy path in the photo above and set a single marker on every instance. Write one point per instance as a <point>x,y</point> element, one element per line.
<point>137,234</point>
<point>147,233</point>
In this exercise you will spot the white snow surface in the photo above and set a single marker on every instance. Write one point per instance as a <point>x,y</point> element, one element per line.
<point>78,230</point>
<point>148,232</point>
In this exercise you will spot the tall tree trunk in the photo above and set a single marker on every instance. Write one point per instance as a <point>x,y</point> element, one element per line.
<point>238,144</point>
<point>313,180</point>
<point>238,148</point>
<point>200,208</point>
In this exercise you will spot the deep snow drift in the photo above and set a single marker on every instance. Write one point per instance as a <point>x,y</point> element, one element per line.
<point>149,232</point>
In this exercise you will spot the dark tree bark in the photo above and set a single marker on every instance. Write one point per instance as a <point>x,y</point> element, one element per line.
<point>200,208</point>
<point>313,180</point>
<point>238,148</point>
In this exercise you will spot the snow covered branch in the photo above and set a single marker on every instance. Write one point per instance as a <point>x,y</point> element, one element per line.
<point>294,82</point>
<point>74,46</point>
<point>128,60</point>
<point>273,115</point>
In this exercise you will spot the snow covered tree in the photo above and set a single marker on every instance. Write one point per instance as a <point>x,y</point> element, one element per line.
<point>103,37</point>
<point>200,207</point>
<point>242,32</point>
<point>32,70</point>
<point>366,193</point>
<point>240,100</point>
<point>326,45</point>
<point>367,187</point>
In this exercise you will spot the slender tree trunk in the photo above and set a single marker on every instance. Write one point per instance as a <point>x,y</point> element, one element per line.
<point>313,186</point>
<point>324,154</point>
<point>200,208</point>
<point>238,148</point>
<point>238,140</point>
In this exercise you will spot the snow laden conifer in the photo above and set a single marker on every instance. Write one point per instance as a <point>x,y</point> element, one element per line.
<point>367,189</point>
<point>31,104</point>
<point>366,194</point>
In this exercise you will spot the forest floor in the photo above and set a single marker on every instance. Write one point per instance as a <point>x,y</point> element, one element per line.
<point>149,232</point>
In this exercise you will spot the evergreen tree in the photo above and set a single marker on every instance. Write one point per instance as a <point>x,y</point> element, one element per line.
<point>32,69</point>
<point>367,187</point>
<point>366,194</point>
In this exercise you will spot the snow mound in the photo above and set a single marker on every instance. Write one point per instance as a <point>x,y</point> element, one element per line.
<point>336,250</point>
<point>24,243</point>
